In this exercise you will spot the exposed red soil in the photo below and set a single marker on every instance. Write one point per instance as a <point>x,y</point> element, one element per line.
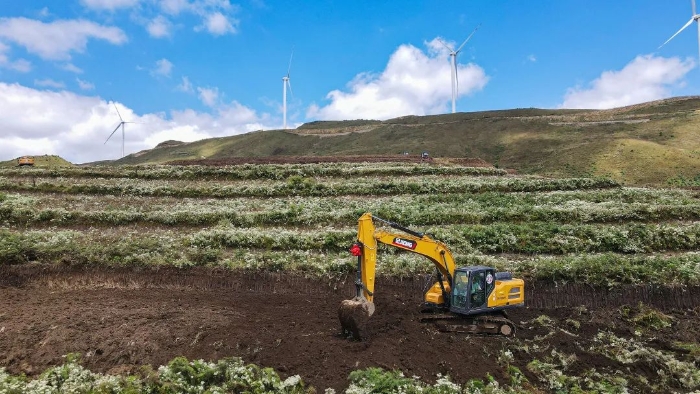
<point>122,319</point>
<point>470,162</point>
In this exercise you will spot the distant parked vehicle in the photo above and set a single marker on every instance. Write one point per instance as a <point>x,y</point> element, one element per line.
<point>25,161</point>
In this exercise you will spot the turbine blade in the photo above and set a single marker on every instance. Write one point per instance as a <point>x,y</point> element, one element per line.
<point>678,32</point>
<point>115,130</point>
<point>445,45</point>
<point>470,36</point>
<point>290,62</point>
<point>694,12</point>
<point>289,83</point>
<point>120,115</point>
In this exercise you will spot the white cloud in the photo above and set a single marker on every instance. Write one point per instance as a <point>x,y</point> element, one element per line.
<point>159,27</point>
<point>413,83</point>
<point>19,65</point>
<point>159,17</point>
<point>209,96</point>
<point>216,16</point>
<point>532,58</point>
<point>202,5</point>
<point>49,83</point>
<point>109,5</point>
<point>174,7</point>
<point>163,68</point>
<point>218,24</point>
<point>72,68</point>
<point>44,12</point>
<point>189,125</point>
<point>56,40</point>
<point>646,78</point>
<point>185,86</point>
<point>84,85</point>
<point>37,122</point>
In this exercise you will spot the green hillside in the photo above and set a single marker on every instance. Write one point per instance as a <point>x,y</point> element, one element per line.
<point>45,161</point>
<point>648,143</point>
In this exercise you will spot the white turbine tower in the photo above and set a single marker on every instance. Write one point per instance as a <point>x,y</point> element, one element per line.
<point>453,60</point>
<point>121,124</point>
<point>285,83</point>
<point>694,18</point>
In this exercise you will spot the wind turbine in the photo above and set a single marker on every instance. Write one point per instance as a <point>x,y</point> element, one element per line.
<point>694,18</point>
<point>285,82</point>
<point>453,59</point>
<point>121,124</point>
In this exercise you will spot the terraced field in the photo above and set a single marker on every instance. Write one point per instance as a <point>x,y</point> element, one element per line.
<point>137,265</point>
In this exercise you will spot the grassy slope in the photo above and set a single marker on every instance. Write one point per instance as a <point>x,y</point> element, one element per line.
<point>41,161</point>
<point>662,145</point>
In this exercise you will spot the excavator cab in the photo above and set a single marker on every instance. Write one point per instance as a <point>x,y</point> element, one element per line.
<point>472,285</point>
<point>479,289</point>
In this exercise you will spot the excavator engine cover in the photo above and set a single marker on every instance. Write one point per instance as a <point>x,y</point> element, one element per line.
<point>353,315</point>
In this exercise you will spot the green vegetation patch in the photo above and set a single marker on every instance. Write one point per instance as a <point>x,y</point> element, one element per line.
<point>646,318</point>
<point>229,375</point>
<point>303,217</point>
<point>672,371</point>
<point>377,380</point>
<point>42,161</point>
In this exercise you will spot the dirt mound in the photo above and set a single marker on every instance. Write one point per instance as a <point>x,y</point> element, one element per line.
<point>170,143</point>
<point>121,319</point>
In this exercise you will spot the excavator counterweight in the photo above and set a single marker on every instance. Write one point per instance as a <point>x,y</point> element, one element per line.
<point>469,299</point>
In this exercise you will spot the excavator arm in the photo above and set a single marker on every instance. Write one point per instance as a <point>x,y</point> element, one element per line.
<point>366,251</point>
<point>355,312</point>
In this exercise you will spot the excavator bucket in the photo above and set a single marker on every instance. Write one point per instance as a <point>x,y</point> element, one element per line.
<point>353,315</point>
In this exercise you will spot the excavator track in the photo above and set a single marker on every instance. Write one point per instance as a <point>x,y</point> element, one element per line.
<point>491,324</point>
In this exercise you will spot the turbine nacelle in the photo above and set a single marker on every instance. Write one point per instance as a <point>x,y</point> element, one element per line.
<point>121,124</point>
<point>455,76</point>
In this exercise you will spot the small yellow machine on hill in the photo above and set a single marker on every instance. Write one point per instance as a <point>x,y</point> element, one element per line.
<point>469,299</point>
<point>25,161</point>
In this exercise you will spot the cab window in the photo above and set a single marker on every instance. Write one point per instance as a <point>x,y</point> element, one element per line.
<point>490,281</point>
<point>478,294</point>
<point>461,290</point>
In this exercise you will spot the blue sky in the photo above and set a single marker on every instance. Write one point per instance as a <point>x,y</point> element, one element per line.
<point>192,69</point>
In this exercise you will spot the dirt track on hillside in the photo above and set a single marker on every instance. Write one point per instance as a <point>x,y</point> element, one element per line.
<point>121,319</point>
<point>229,161</point>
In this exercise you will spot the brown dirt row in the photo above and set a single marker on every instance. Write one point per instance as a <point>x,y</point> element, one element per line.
<point>121,319</point>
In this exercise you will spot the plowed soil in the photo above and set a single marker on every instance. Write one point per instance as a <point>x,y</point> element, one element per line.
<point>122,319</point>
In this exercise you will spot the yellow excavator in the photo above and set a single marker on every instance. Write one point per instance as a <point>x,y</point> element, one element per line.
<point>25,161</point>
<point>469,299</point>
